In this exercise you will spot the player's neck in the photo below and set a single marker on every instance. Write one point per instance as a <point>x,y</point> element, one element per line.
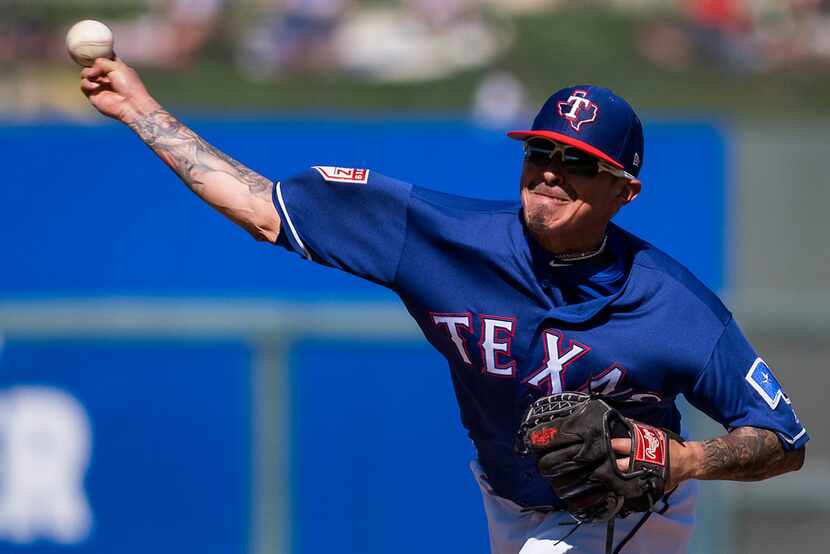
<point>586,245</point>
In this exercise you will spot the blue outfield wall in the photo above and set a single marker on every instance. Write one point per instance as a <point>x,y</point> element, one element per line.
<point>89,212</point>
<point>380,461</point>
<point>161,441</point>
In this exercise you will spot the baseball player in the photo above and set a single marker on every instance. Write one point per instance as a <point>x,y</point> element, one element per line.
<point>527,299</point>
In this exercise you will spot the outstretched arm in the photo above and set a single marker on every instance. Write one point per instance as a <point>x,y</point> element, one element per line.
<point>241,194</point>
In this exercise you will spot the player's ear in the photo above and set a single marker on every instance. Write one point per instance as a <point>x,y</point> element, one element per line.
<point>630,190</point>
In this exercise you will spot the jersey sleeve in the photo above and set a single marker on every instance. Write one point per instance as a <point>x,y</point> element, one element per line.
<point>351,219</point>
<point>737,388</point>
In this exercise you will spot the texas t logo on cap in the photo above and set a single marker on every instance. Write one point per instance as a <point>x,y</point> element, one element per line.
<point>578,109</point>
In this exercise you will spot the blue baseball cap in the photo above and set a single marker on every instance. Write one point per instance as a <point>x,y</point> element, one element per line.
<point>594,120</point>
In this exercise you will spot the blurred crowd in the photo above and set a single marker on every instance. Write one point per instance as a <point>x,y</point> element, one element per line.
<point>403,41</point>
<point>406,40</point>
<point>391,41</point>
<point>741,35</point>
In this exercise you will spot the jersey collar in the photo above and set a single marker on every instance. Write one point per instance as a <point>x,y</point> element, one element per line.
<point>584,311</point>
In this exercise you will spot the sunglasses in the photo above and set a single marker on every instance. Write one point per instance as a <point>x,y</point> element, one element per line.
<point>575,161</point>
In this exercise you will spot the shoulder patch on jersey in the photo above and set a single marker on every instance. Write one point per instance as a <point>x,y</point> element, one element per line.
<point>343,174</point>
<point>764,382</point>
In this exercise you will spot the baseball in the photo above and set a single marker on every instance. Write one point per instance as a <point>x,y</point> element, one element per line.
<point>88,40</point>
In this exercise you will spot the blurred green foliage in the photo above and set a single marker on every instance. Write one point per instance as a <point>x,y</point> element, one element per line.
<point>64,12</point>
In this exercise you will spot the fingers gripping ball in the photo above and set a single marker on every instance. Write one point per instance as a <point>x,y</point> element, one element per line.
<point>88,40</point>
<point>570,435</point>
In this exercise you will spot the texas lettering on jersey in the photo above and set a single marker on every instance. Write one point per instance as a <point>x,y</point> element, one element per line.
<point>496,361</point>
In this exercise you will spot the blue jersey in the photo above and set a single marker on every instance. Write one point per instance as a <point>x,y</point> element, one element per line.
<point>639,327</point>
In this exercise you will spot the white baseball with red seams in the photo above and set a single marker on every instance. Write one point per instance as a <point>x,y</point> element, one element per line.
<point>88,40</point>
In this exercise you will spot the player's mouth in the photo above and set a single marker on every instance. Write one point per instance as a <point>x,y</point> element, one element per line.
<point>555,193</point>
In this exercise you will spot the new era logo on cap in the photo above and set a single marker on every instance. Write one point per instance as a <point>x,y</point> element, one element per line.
<point>595,120</point>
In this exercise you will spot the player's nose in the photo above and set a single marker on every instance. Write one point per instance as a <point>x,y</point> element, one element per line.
<point>552,177</point>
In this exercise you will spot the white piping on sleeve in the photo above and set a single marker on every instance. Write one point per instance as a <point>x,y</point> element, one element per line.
<point>795,438</point>
<point>290,224</point>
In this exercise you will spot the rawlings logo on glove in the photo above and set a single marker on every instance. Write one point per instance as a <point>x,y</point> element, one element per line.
<point>542,437</point>
<point>651,446</point>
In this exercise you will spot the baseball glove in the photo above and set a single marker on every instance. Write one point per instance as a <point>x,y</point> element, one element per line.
<point>570,435</point>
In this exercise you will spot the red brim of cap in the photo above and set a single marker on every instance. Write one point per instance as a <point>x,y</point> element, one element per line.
<point>565,139</point>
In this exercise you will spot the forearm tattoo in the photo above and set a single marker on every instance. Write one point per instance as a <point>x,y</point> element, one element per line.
<point>205,170</point>
<point>747,454</point>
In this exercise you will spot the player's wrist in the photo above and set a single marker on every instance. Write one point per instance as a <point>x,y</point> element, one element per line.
<point>138,109</point>
<point>686,460</point>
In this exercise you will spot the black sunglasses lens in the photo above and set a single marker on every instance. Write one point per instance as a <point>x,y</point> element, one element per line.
<point>580,163</point>
<point>537,154</point>
<point>574,161</point>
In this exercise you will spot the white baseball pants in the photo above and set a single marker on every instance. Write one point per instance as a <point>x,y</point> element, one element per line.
<point>513,531</point>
